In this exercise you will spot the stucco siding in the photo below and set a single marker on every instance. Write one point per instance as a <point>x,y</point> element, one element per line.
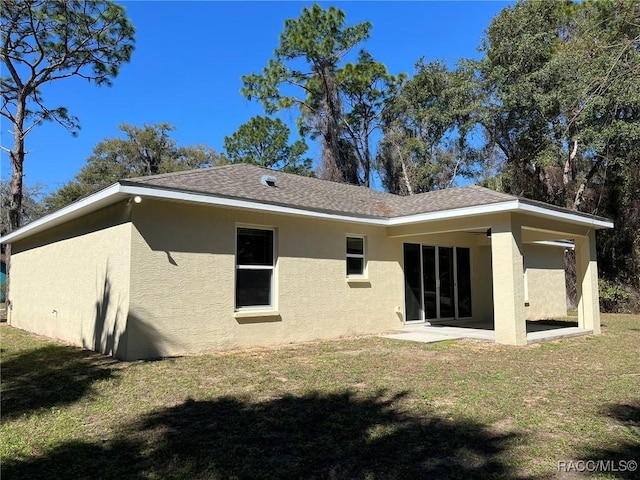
<point>481,275</point>
<point>183,281</point>
<point>157,278</point>
<point>73,283</point>
<point>545,277</point>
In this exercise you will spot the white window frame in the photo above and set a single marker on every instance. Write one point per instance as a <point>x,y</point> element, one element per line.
<point>363,255</point>
<point>272,267</point>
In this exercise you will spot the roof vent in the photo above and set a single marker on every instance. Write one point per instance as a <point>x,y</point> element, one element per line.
<point>268,181</point>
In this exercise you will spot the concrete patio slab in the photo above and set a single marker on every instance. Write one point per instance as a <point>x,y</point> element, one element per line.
<point>422,337</point>
<point>437,333</point>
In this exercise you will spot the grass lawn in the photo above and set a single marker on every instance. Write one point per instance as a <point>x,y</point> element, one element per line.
<point>364,408</point>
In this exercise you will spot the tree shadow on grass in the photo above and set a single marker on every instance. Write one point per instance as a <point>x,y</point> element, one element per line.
<point>49,376</point>
<point>621,451</point>
<point>315,436</point>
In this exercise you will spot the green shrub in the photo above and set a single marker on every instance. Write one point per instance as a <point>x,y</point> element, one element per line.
<point>617,298</point>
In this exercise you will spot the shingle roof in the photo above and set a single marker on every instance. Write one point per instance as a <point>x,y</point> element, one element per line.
<point>242,181</point>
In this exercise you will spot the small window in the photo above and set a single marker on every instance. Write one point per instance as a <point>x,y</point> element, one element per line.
<point>355,256</point>
<point>255,262</point>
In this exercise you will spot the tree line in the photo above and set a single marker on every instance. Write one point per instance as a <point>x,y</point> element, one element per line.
<point>551,111</point>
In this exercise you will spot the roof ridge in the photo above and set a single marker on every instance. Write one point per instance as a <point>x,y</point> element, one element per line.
<point>495,193</point>
<point>298,177</point>
<point>198,170</point>
<point>327,181</point>
<point>172,174</point>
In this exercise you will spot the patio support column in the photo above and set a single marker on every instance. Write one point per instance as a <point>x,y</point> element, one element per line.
<point>587,283</point>
<point>508,282</point>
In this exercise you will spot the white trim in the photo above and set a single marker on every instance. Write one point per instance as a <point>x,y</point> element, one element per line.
<point>255,312</point>
<point>271,306</point>
<point>551,243</point>
<point>244,204</point>
<point>508,206</point>
<point>549,212</point>
<point>103,198</point>
<point>363,256</point>
<point>117,192</point>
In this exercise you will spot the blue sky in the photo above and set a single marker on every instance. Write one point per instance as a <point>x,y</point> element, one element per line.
<point>189,58</point>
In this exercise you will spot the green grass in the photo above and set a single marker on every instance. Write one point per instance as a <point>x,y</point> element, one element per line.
<point>365,408</point>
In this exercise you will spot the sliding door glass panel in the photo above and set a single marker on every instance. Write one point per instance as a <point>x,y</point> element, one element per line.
<point>429,278</point>
<point>412,282</point>
<point>445,260</point>
<point>463,266</point>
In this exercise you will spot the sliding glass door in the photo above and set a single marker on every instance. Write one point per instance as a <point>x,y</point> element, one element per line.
<point>437,282</point>
<point>430,280</point>
<point>412,283</point>
<point>447,283</point>
<point>463,282</point>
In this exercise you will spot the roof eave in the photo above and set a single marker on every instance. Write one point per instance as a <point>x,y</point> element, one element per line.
<point>130,188</point>
<point>592,221</point>
<point>122,190</point>
<point>96,201</point>
<point>503,207</point>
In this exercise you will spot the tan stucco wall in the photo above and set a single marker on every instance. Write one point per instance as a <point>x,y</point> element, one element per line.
<point>482,284</point>
<point>182,277</point>
<point>546,282</point>
<point>72,282</point>
<point>157,279</point>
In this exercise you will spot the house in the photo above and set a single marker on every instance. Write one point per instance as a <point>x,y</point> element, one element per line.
<point>238,256</point>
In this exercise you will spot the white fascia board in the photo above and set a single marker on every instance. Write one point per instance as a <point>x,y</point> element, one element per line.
<point>551,243</point>
<point>117,192</point>
<point>245,204</point>
<point>93,202</point>
<point>565,216</point>
<point>501,207</point>
<point>509,206</point>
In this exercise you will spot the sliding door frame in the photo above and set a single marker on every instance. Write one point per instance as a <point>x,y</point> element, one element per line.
<point>456,310</point>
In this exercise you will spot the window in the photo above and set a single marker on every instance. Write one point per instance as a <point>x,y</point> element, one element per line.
<point>355,256</point>
<point>255,261</point>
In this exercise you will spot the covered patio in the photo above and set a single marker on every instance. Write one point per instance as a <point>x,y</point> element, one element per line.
<point>497,237</point>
